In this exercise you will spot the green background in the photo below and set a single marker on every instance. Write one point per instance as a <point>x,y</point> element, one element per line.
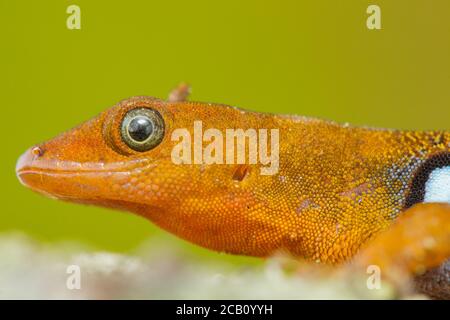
<point>310,57</point>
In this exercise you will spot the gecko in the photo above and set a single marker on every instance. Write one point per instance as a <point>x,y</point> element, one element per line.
<point>341,192</point>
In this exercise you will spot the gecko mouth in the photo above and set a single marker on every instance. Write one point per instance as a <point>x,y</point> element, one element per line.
<point>70,180</point>
<point>83,187</point>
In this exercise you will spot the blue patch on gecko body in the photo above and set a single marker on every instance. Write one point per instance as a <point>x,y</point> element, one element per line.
<point>437,188</point>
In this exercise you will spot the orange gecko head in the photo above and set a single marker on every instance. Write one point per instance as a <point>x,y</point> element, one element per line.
<point>325,190</point>
<point>107,161</point>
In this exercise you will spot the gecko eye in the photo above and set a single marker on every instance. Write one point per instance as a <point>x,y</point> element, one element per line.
<point>142,129</point>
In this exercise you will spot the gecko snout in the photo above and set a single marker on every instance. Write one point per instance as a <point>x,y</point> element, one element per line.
<point>26,165</point>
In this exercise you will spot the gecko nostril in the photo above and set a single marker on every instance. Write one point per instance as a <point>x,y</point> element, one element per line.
<point>37,152</point>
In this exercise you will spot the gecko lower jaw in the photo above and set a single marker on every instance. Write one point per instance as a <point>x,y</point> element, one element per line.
<point>32,166</point>
<point>86,185</point>
<point>64,179</point>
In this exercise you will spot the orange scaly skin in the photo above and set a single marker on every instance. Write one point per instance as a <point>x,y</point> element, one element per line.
<point>336,188</point>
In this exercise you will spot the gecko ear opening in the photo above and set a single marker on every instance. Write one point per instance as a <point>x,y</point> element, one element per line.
<point>431,182</point>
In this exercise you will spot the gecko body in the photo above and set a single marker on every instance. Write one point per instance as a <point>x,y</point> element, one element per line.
<point>336,187</point>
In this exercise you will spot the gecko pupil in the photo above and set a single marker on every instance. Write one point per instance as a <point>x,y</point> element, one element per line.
<point>140,128</point>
